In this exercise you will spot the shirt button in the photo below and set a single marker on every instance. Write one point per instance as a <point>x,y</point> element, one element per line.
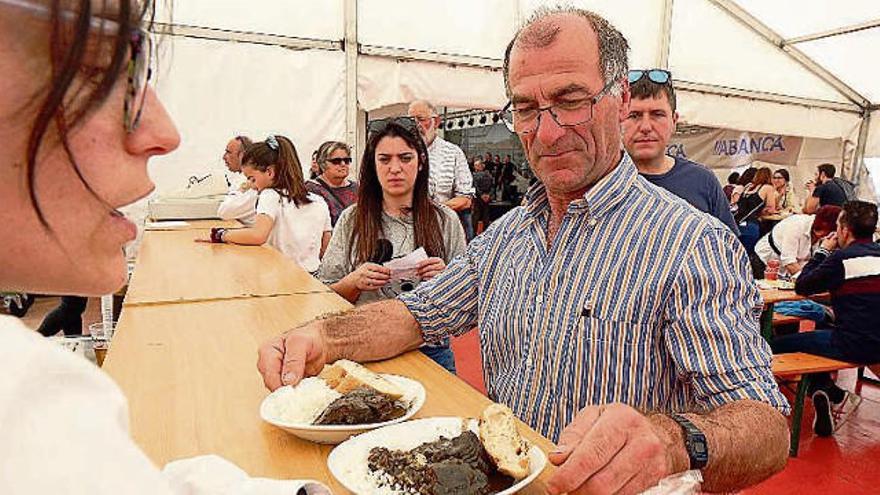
<point>592,222</point>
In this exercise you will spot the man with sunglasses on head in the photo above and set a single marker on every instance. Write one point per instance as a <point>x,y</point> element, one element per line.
<point>646,133</point>
<point>241,198</point>
<point>450,182</point>
<point>614,318</point>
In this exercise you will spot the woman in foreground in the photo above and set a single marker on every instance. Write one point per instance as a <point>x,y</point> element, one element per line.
<point>78,123</point>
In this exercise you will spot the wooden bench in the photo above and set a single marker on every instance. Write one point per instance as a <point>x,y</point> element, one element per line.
<point>781,319</point>
<point>797,367</point>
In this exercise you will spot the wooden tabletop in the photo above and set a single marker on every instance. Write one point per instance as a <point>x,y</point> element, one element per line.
<point>191,224</point>
<point>172,268</point>
<point>772,296</point>
<point>189,373</point>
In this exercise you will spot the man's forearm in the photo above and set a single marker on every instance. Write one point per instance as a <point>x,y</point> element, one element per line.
<point>748,442</point>
<point>459,203</point>
<point>371,332</point>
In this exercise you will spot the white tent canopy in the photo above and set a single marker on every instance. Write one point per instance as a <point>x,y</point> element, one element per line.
<point>311,69</point>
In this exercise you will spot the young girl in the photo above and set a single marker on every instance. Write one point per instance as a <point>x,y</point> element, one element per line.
<point>393,216</point>
<point>289,218</point>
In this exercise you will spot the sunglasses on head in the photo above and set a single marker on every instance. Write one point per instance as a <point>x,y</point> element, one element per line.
<point>339,161</point>
<point>658,76</point>
<point>408,123</point>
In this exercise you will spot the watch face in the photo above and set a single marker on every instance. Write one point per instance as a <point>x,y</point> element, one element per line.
<point>699,448</point>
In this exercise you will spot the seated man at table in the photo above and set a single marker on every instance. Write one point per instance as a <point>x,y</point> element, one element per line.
<point>241,198</point>
<point>847,264</point>
<point>792,240</point>
<point>590,331</point>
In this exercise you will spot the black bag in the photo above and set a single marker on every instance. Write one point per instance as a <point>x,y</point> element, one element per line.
<point>849,189</point>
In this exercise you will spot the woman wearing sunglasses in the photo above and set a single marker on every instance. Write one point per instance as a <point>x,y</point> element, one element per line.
<point>334,161</point>
<point>78,124</point>
<point>393,217</point>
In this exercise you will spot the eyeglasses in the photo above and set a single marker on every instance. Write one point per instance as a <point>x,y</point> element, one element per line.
<point>139,71</point>
<point>658,76</point>
<point>565,113</point>
<point>139,75</point>
<point>339,161</point>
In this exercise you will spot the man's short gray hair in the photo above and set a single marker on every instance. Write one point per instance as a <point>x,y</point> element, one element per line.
<point>426,103</point>
<point>613,47</point>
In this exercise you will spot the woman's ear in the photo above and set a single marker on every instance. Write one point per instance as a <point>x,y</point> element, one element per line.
<point>271,172</point>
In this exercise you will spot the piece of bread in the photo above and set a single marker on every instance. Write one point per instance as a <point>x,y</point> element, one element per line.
<point>502,441</point>
<point>344,376</point>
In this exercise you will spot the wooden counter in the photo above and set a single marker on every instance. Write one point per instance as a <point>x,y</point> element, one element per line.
<point>173,268</point>
<point>189,372</point>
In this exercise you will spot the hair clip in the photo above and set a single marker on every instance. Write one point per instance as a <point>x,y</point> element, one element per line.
<point>272,142</point>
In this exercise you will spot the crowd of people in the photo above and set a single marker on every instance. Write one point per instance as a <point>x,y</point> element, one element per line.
<point>615,303</point>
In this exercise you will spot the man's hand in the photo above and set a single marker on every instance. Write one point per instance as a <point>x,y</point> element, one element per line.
<point>611,449</point>
<point>429,268</point>
<point>830,241</point>
<point>292,356</point>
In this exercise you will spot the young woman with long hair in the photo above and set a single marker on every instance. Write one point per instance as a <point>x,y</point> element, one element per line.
<point>77,135</point>
<point>289,217</point>
<point>758,198</point>
<point>394,216</point>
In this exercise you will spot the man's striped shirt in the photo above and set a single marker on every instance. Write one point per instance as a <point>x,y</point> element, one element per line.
<point>450,175</point>
<point>640,299</point>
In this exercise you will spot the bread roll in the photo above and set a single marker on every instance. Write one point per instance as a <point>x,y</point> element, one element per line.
<point>501,439</point>
<point>345,376</point>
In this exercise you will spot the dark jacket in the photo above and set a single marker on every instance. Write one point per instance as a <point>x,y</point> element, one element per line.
<point>852,275</point>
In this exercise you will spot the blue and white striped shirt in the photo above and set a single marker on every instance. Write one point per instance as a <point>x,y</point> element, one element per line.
<point>640,299</point>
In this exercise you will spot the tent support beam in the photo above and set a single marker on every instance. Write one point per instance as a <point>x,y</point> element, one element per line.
<point>859,155</point>
<point>437,57</point>
<point>215,34</point>
<point>768,97</point>
<point>666,35</point>
<point>762,30</point>
<point>351,77</point>
<point>834,32</point>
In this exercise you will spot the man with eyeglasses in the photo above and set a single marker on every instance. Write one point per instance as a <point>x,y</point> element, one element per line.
<point>646,133</point>
<point>241,199</point>
<point>450,182</point>
<point>614,318</point>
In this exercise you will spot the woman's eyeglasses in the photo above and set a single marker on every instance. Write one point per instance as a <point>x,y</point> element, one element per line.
<point>138,72</point>
<point>339,161</point>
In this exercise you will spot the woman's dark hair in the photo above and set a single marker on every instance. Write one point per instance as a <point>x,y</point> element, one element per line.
<point>368,214</point>
<point>784,174</point>
<point>71,26</point>
<point>747,176</point>
<point>732,178</point>
<point>279,152</point>
<point>762,176</point>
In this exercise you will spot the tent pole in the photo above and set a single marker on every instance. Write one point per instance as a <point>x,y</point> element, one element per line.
<point>666,35</point>
<point>859,155</point>
<point>732,9</point>
<point>351,76</point>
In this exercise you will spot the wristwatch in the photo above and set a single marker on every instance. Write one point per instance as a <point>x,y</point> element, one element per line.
<point>694,442</point>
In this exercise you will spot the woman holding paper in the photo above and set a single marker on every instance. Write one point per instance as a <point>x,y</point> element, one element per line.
<point>393,219</point>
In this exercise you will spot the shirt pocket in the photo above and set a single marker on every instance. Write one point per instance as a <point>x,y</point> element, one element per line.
<point>622,361</point>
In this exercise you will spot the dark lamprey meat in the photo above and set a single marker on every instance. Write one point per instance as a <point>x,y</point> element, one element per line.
<point>361,406</point>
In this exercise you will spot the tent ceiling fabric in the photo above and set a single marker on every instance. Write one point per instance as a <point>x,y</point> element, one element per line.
<point>218,87</point>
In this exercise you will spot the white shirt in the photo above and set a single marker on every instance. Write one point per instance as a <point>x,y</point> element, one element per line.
<point>792,237</point>
<point>65,430</point>
<point>238,205</point>
<point>297,231</point>
<point>450,175</point>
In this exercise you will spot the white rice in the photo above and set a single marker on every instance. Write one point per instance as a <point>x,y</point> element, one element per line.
<point>304,403</point>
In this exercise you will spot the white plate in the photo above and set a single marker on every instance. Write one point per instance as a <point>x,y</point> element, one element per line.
<point>333,434</point>
<point>348,461</point>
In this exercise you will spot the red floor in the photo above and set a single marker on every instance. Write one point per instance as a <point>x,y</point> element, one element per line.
<point>847,463</point>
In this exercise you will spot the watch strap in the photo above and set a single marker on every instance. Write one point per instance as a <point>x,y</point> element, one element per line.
<point>695,442</point>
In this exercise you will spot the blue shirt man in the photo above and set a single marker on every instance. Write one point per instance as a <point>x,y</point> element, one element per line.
<point>646,132</point>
